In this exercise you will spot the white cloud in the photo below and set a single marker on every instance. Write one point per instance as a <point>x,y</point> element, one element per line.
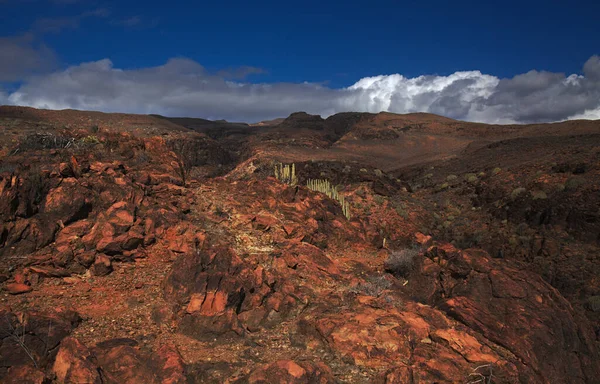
<point>182,87</point>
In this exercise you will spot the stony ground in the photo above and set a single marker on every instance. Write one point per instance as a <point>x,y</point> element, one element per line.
<point>117,267</point>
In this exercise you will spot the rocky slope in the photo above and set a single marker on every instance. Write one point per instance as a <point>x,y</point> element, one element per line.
<point>137,249</point>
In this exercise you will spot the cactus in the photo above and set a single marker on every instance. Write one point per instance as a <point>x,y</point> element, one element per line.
<point>324,186</point>
<point>286,173</point>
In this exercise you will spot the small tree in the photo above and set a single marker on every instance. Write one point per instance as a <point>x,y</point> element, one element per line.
<point>183,151</point>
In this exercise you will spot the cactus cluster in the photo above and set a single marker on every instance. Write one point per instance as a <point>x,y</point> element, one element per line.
<point>324,186</point>
<point>286,173</point>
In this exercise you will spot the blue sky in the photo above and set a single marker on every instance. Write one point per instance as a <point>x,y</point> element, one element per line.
<point>328,44</point>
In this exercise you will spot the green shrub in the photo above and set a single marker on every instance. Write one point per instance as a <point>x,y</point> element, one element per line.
<point>451,178</point>
<point>573,183</point>
<point>593,303</point>
<point>539,195</point>
<point>400,209</point>
<point>90,139</point>
<point>516,192</point>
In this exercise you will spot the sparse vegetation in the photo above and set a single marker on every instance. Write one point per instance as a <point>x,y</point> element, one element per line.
<point>18,336</point>
<point>517,192</point>
<point>90,140</point>
<point>37,186</point>
<point>40,141</point>
<point>539,195</point>
<point>184,155</point>
<point>574,182</point>
<point>379,199</point>
<point>286,173</point>
<point>400,262</point>
<point>324,186</point>
<point>400,208</point>
<point>372,286</point>
<point>482,374</point>
<point>593,303</point>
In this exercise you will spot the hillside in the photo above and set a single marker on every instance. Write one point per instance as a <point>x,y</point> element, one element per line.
<point>151,249</point>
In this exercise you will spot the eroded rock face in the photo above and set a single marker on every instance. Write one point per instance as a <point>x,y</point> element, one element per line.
<point>31,339</point>
<point>113,361</point>
<point>75,364</point>
<point>117,361</point>
<point>219,293</point>
<point>288,371</point>
<point>511,307</point>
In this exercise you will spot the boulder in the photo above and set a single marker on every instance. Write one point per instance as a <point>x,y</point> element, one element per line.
<point>75,364</point>
<point>289,371</point>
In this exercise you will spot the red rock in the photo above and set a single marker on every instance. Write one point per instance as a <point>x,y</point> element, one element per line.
<point>74,364</point>
<point>67,202</point>
<point>215,287</point>
<point>288,371</point>
<point>121,220</point>
<point>170,365</point>
<point>264,222</point>
<point>20,278</point>
<point>214,303</point>
<point>125,365</point>
<point>27,329</point>
<point>25,374</point>
<point>502,302</point>
<point>86,258</point>
<point>66,170</point>
<point>102,266</point>
<point>17,288</point>
<point>49,271</point>
<point>422,239</point>
<point>110,245</point>
<point>121,361</point>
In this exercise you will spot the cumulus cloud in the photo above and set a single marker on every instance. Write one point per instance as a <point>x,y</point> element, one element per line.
<point>182,87</point>
<point>21,56</point>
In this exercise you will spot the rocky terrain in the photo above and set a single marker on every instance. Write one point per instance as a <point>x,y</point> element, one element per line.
<point>146,249</point>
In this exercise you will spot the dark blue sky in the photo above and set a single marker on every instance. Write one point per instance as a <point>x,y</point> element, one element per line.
<point>333,42</point>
